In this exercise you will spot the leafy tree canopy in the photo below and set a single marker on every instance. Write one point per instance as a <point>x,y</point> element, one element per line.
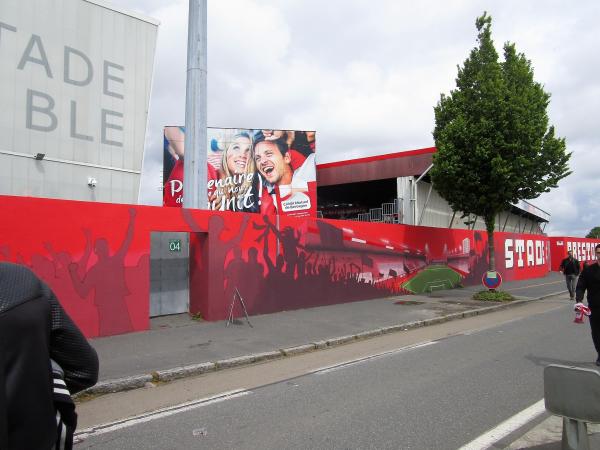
<point>494,143</point>
<point>594,233</point>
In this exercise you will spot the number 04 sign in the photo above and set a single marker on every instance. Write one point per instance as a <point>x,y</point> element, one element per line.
<point>174,245</point>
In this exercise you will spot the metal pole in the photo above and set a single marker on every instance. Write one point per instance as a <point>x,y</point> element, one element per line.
<point>194,163</point>
<point>415,212</point>
<point>452,219</point>
<point>426,204</point>
<point>507,216</point>
<point>413,201</point>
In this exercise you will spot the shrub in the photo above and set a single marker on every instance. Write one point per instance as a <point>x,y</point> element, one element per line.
<point>493,296</point>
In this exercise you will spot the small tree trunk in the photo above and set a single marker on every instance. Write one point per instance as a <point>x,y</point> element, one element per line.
<point>489,225</point>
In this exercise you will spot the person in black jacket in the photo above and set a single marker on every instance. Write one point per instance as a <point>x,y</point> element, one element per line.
<point>570,268</point>
<point>34,329</point>
<point>590,281</point>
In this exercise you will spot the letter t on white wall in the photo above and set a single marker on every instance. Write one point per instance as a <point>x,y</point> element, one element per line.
<point>520,248</point>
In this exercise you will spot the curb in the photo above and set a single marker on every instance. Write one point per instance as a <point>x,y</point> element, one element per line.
<point>167,375</point>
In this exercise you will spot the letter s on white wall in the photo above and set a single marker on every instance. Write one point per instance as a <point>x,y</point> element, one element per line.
<point>508,253</point>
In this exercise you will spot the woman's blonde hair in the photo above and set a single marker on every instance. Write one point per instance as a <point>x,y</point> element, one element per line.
<point>246,183</point>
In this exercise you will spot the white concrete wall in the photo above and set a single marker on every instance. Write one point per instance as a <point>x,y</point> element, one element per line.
<point>439,214</point>
<point>75,80</point>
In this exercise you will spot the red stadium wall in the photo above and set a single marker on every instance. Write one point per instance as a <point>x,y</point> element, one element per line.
<point>96,257</point>
<point>583,249</point>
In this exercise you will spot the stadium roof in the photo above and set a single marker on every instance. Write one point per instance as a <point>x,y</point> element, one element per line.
<point>392,165</point>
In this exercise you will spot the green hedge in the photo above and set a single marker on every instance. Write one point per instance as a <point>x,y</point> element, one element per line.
<point>493,296</point>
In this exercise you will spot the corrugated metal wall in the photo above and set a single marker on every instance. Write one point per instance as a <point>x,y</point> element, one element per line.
<point>437,213</point>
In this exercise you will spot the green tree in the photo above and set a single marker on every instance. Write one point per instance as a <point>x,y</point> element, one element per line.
<point>494,144</point>
<point>594,233</point>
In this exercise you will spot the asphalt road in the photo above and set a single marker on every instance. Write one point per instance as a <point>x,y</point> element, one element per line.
<point>435,395</point>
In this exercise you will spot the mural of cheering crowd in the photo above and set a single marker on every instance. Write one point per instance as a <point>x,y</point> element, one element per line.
<point>284,268</point>
<point>318,262</point>
<point>97,257</point>
<point>257,171</point>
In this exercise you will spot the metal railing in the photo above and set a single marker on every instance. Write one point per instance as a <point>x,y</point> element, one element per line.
<point>388,213</point>
<point>376,214</point>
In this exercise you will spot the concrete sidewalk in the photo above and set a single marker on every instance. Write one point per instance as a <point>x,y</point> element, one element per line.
<point>548,434</point>
<point>177,346</point>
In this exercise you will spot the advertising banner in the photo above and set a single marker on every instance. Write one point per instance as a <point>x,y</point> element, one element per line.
<point>258,171</point>
<point>583,249</point>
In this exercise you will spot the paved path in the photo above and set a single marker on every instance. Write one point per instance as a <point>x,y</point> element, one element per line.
<point>179,344</point>
<point>439,394</point>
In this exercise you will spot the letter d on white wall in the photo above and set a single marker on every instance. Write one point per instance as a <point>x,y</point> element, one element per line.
<point>539,253</point>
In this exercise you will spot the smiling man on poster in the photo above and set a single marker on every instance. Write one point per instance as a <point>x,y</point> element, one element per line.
<point>274,163</point>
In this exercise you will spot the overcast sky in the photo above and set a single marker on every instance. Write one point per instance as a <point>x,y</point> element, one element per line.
<point>366,75</point>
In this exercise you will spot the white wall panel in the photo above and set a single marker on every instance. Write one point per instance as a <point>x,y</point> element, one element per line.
<point>438,214</point>
<point>64,67</point>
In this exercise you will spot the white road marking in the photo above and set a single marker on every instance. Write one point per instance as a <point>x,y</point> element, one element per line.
<point>353,362</point>
<point>158,414</point>
<point>488,439</point>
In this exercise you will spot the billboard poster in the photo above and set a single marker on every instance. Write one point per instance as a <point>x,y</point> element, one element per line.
<point>258,171</point>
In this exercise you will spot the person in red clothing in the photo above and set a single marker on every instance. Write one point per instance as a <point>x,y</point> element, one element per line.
<point>174,149</point>
<point>298,143</point>
<point>173,188</point>
<point>280,180</point>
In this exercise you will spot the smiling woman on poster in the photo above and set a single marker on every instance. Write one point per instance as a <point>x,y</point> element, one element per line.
<point>234,189</point>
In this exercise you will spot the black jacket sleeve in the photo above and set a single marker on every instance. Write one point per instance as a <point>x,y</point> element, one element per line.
<point>3,402</point>
<point>70,349</point>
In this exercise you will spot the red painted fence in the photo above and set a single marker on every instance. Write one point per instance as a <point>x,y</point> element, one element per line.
<point>583,249</point>
<point>96,257</point>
